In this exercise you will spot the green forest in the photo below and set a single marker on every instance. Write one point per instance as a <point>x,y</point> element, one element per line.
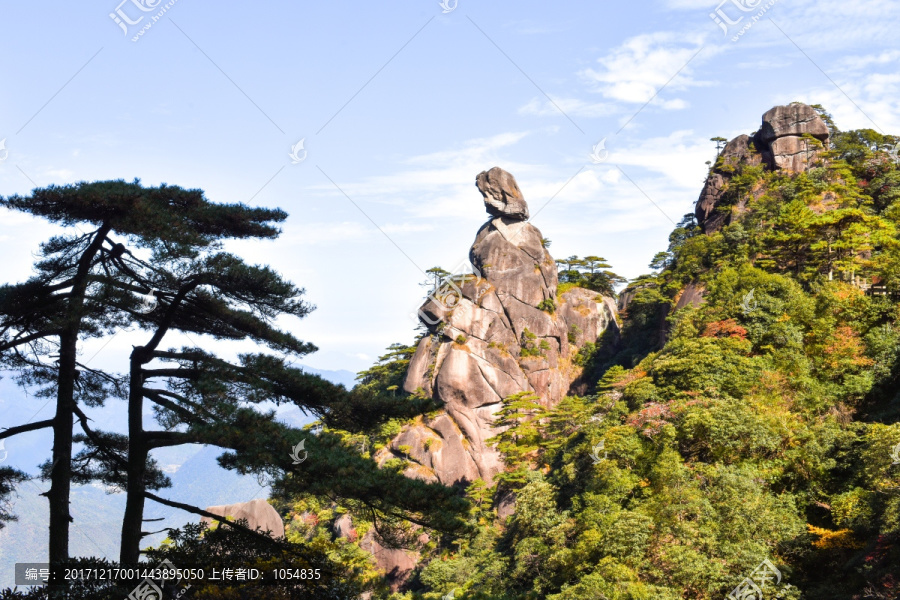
<point>759,426</point>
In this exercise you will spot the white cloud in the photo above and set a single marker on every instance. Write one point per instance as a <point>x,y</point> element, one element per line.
<point>866,94</point>
<point>432,188</point>
<point>855,63</point>
<point>765,63</point>
<point>641,66</point>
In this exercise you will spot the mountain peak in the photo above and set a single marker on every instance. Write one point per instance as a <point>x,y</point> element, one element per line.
<point>789,139</point>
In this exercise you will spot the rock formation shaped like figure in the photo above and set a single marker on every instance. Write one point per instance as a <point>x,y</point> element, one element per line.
<point>502,196</point>
<point>790,138</point>
<point>504,331</point>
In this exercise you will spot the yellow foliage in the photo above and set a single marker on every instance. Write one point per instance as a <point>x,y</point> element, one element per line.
<point>830,540</point>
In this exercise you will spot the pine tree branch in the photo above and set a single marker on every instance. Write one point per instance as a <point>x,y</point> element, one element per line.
<point>11,431</point>
<point>181,373</point>
<point>157,397</point>
<point>161,439</point>
<point>101,446</point>
<point>15,342</point>
<point>209,515</point>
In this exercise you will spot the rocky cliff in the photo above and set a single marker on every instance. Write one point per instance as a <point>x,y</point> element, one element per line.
<point>789,139</point>
<point>496,331</point>
<point>258,513</point>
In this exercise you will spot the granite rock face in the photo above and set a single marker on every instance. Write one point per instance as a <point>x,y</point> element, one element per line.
<point>792,120</point>
<point>494,332</point>
<point>502,196</point>
<point>779,144</point>
<point>259,514</point>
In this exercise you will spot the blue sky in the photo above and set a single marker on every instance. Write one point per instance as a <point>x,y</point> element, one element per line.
<point>400,105</point>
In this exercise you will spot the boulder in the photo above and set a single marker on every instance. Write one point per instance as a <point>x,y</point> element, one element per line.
<point>502,197</point>
<point>780,138</point>
<point>259,514</point>
<point>792,120</point>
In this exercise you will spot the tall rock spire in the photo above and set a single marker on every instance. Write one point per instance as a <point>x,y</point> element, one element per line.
<point>493,333</point>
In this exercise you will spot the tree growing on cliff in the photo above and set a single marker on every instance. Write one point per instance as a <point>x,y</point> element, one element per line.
<point>519,439</point>
<point>720,143</point>
<point>590,272</point>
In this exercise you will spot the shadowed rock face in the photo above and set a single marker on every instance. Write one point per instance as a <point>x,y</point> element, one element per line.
<point>259,514</point>
<point>779,144</point>
<point>792,120</point>
<point>493,341</point>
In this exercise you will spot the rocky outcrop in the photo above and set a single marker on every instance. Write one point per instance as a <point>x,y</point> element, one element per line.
<point>781,136</point>
<point>735,156</point>
<point>502,196</point>
<point>496,331</point>
<point>396,564</point>
<point>779,144</point>
<point>259,514</point>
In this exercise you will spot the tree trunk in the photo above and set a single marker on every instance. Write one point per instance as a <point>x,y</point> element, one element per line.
<point>133,521</point>
<point>61,471</point>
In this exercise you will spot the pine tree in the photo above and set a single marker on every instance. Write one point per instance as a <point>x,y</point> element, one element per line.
<point>169,243</point>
